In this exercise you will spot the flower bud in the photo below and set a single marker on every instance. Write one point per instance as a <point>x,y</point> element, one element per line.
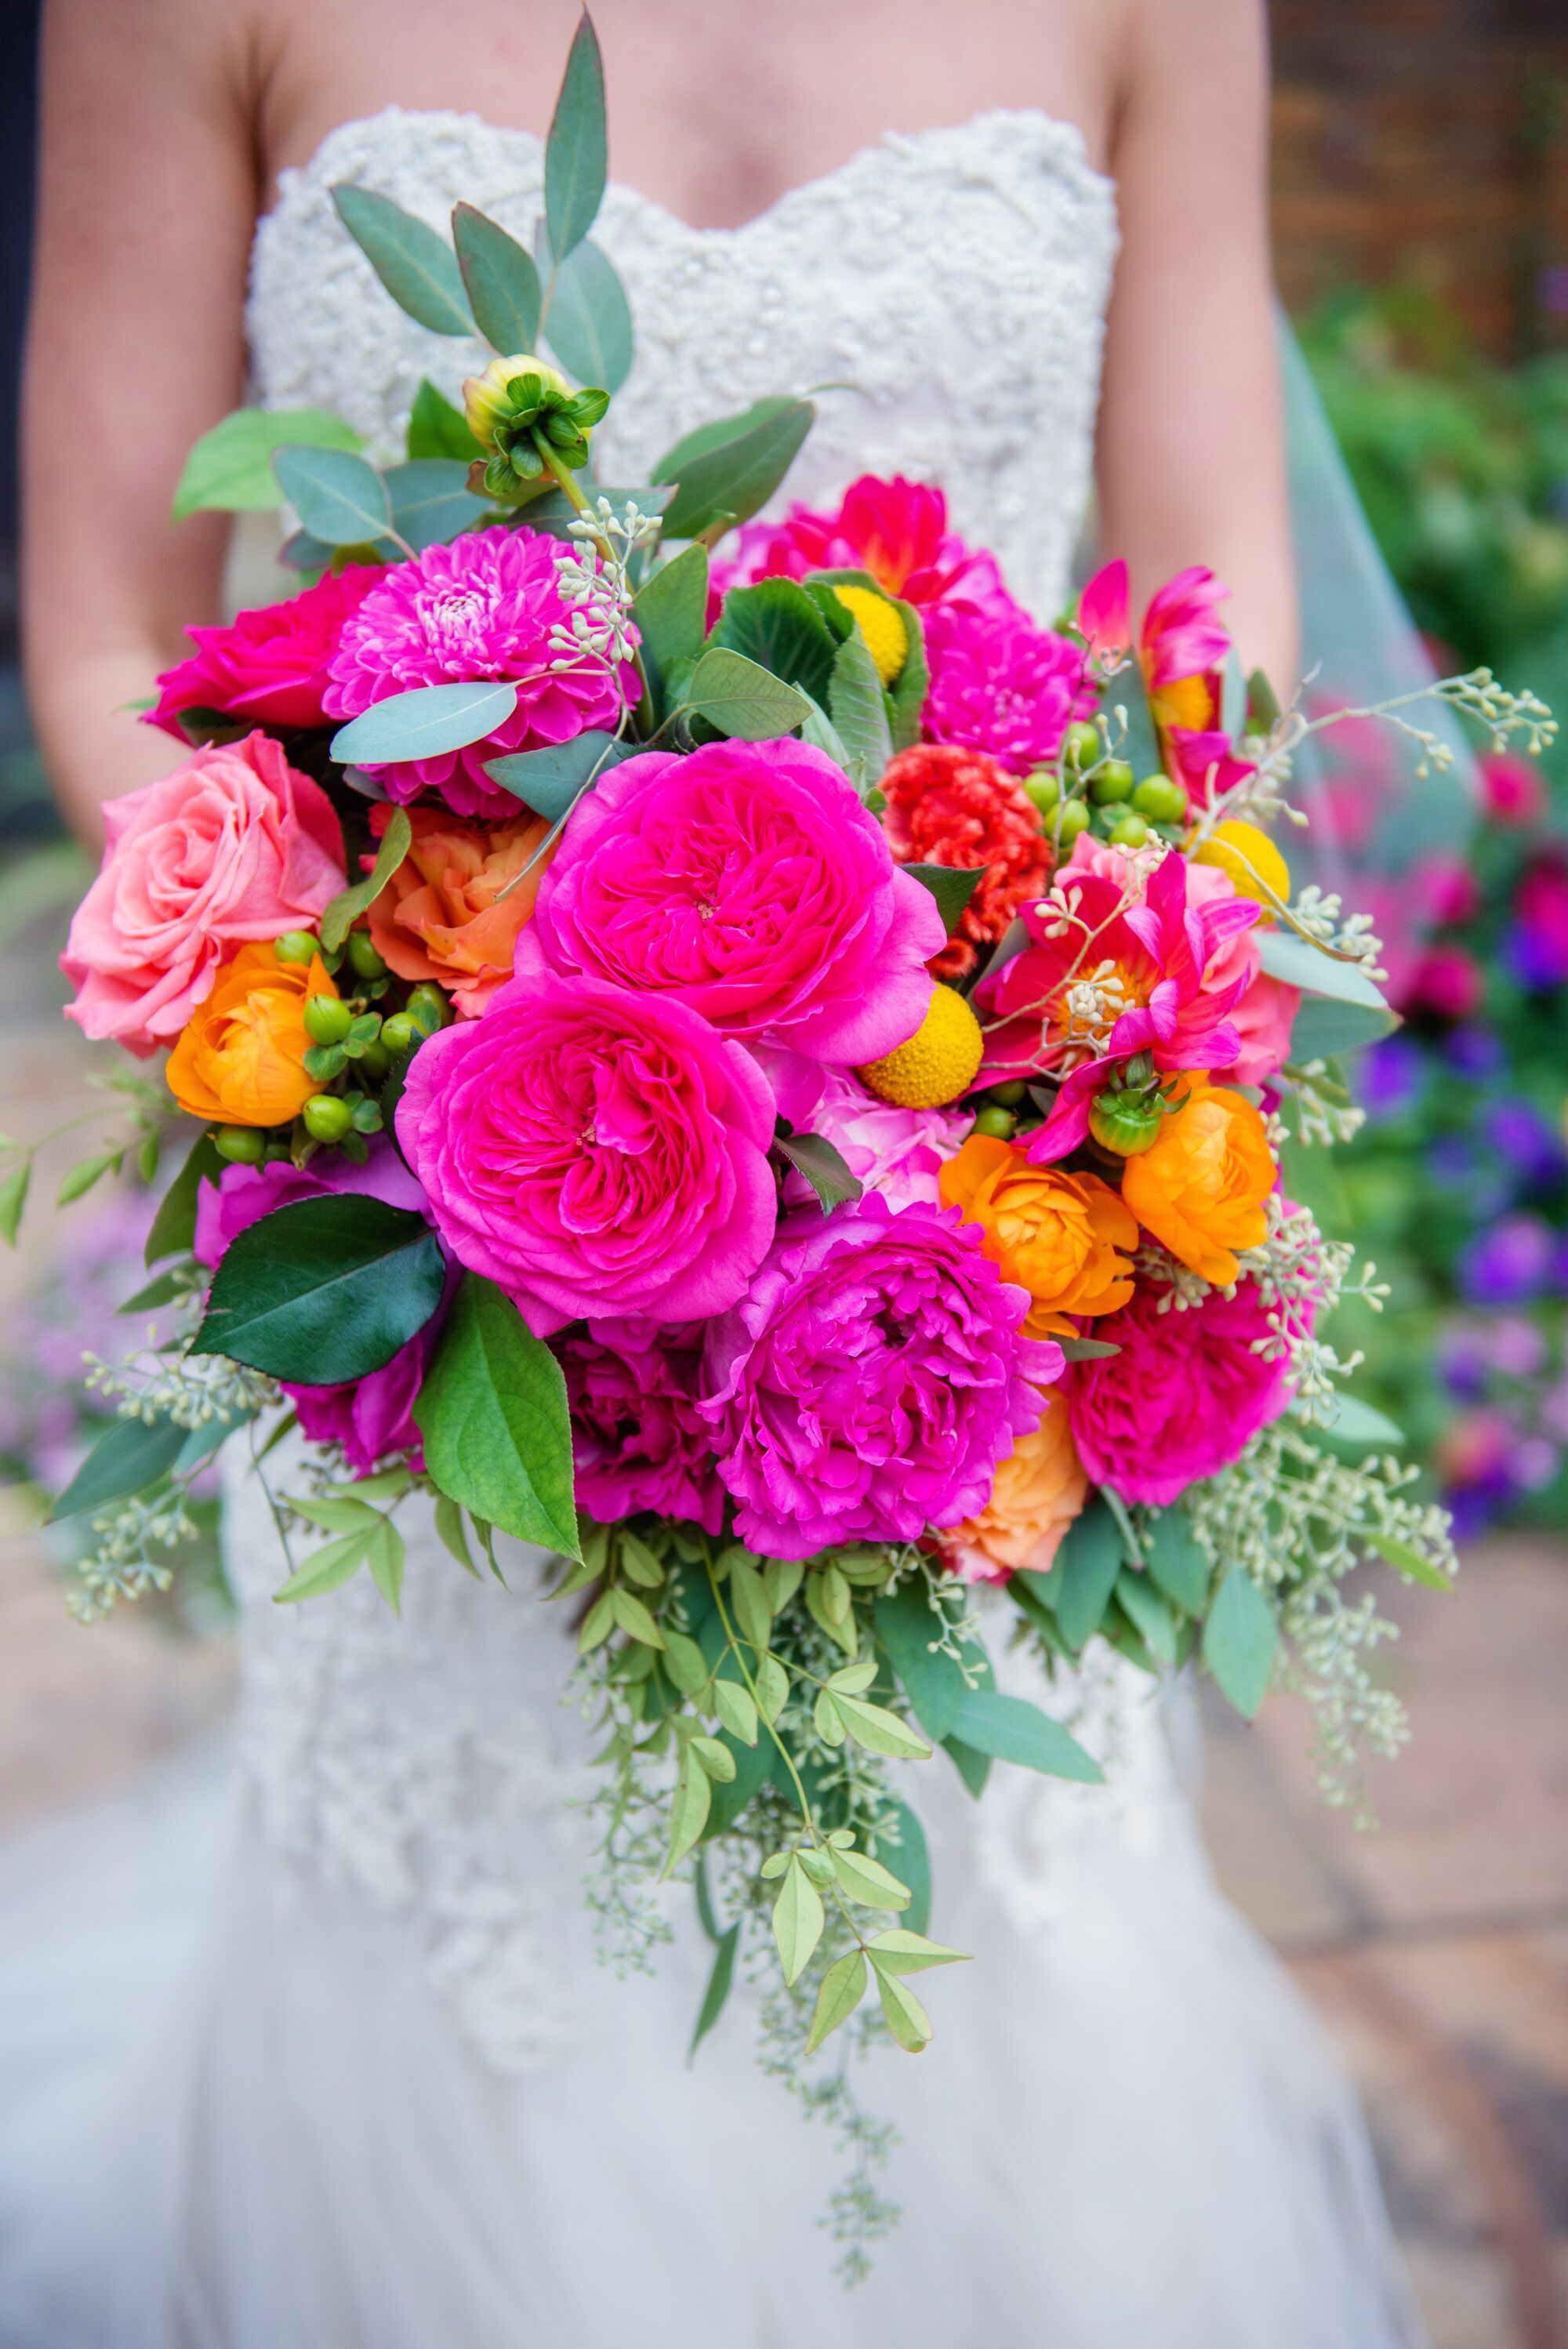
<point>1125,1122</point>
<point>328,1018</point>
<point>364,957</point>
<point>1112,781</point>
<point>428,1007</point>
<point>328,1119</point>
<point>1161,799</point>
<point>488,401</point>
<point>297,945</point>
<point>241,1146</point>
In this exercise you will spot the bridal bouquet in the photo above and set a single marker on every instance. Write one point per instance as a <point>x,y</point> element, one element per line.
<point>723,1049</point>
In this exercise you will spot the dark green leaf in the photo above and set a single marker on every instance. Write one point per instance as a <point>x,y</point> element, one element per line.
<point>203,1442</point>
<point>777,625</point>
<point>501,281</point>
<point>161,1291</point>
<point>1178,1560</point>
<point>324,1290</point>
<point>1148,1612</point>
<point>493,1413</point>
<point>717,1990</point>
<point>430,501</point>
<point>588,320</point>
<point>345,909</point>
<point>230,469</point>
<point>575,151</point>
<point>132,1455</point>
<point>1084,1572</point>
<point>437,429</point>
<point>735,475</point>
<point>718,433</point>
<point>857,708</point>
<point>1239,1637</point>
<point>823,1166</point>
<point>339,498</point>
<point>951,888</point>
<point>1012,1730</point>
<point>741,699</point>
<point>552,779</point>
<point>973,1766</point>
<point>906,695</point>
<point>931,1680</point>
<point>424,722</point>
<point>415,266</point>
<point>910,1860</point>
<point>173,1230</point>
<point>671,613</point>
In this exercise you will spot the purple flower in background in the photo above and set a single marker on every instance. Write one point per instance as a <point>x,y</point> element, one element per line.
<point>1455,1162</point>
<point>1518,1131</point>
<point>1390,1074</point>
<point>1533,959</point>
<point>373,1416</point>
<point>1463,1362</point>
<point>1517,1347</point>
<point>636,1436</point>
<point>1475,1051</point>
<point>1509,1264</point>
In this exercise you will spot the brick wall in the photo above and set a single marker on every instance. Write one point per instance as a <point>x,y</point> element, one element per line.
<point>1427,141</point>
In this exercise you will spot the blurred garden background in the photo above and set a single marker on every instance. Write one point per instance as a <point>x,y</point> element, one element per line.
<point>1421,231</point>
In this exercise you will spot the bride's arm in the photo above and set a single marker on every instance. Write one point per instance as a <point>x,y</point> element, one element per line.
<point>147,200</point>
<point>1190,459</point>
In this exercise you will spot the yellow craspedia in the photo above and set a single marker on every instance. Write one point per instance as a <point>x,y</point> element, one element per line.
<point>882,625</point>
<point>1250,858</point>
<point>940,1060</point>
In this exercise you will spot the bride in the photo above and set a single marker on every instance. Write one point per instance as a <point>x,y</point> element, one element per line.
<point>394,2104</point>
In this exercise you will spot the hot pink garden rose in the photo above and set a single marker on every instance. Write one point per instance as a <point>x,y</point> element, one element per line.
<point>748,881</point>
<point>637,1440</point>
<point>268,666</point>
<point>595,1152</point>
<point>485,606</point>
<point>1181,1400</point>
<point>233,845</point>
<point>870,1380</point>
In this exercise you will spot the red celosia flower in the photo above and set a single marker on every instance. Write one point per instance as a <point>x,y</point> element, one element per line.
<point>960,809</point>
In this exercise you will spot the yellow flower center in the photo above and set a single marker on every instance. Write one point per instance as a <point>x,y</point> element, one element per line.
<point>882,625</point>
<point>937,1063</point>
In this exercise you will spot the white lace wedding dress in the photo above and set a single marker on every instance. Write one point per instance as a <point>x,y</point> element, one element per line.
<point>396,2104</point>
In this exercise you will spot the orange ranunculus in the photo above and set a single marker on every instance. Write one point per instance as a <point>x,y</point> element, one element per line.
<point>438,918</point>
<point>1058,1236</point>
<point>1201,1186</point>
<point>1039,1491</point>
<point>241,1055</point>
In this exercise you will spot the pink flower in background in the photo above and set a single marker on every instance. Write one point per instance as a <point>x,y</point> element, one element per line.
<point>372,1417</point>
<point>1000,684</point>
<point>268,666</point>
<point>1447,981</point>
<point>1181,1400</point>
<point>747,880</point>
<point>897,529</point>
<point>1541,918</point>
<point>870,1379</point>
<point>897,1152</point>
<point>484,606</point>
<point>637,1440</point>
<point>595,1152</point>
<point>235,845</point>
<point>1512,787</point>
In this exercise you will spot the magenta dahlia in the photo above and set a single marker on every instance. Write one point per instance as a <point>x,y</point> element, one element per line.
<point>1000,684</point>
<point>484,606</point>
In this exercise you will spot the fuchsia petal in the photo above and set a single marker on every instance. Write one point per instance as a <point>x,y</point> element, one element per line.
<point>1104,617</point>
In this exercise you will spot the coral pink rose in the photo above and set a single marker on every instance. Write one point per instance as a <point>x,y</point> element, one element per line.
<point>595,1152</point>
<point>267,666</point>
<point>748,881</point>
<point>233,846</point>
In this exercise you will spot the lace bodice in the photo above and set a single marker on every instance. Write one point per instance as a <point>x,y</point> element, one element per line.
<point>957,279</point>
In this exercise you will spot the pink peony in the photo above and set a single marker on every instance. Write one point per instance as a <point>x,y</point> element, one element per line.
<point>372,1417</point>
<point>595,1152</point>
<point>1181,1400</point>
<point>897,529</point>
<point>870,1380</point>
<point>1000,684</point>
<point>484,606</point>
<point>896,1152</point>
<point>268,666</point>
<point>636,1436</point>
<point>233,845</point>
<point>747,880</point>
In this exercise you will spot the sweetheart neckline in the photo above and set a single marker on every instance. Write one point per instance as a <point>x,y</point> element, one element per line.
<point>887,143</point>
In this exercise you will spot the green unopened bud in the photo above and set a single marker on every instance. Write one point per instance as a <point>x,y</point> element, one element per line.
<point>365,956</point>
<point>1111,783</point>
<point>1161,799</point>
<point>488,401</point>
<point>1073,819</point>
<point>1130,831</point>
<point>328,1119</point>
<point>1043,788</point>
<point>241,1146</point>
<point>328,1018</point>
<point>297,945</point>
<point>1125,1122</point>
<point>1081,743</point>
<point>428,1009</point>
<point>999,1124</point>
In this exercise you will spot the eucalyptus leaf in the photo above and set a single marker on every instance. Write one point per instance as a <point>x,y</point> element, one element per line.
<point>173,1231</point>
<point>1178,1561</point>
<point>324,1290</point>
<point>345,908</point>
<point>1148,1612</point>
<point>734,475</point>
<point>931,1680</point>
<point>552,779</point>
<point>418,268</point>
<point>431,501</point>
<point>1294,959</point>
<point>910,1864</point>
<point>588,319</point>
<point>575,152</point>
<point>1085,1571</point>
<point>437,429</point>
<point>129,1455</point>
<point>951,887</point>
<point>339,498</point>
<point>424,722</point>
<point>492,1412</point>
<point>1322,1029</point>
<point>718,433</point>
<point>1241,1634</point>
<point>740,699</point>
<point>230,469</point>
<point>1354,1422</point>
<point>501,281</point>
<point>973,1766</point>
<point>1011,1729</point>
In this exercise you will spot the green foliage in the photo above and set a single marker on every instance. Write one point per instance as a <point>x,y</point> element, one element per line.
<point>776,623</point>
<point>501,281</point>
<point>437,429</point>
<point>230,469</point>
<point>671,613</point>
<point>424,722</point>
<point>418,269</point>
<point>575,153</point>
<point>587,318</point>
<point>132,1455</point>
<point>492,1412</point>
<point>727,471</point>
<point>344,910</point>
<point>1241,1638</point>
<point>950,887</point>
<point>823,1167</point>
<point>324,1290</point>
<point>431,501</point>
<point>552,779</point>
<point>732,694</point>
<point>340,499</point>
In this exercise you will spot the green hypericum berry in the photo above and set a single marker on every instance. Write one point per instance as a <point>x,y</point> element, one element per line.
<point>241,1146</point>
<point>364,958</point>
<point>400,1034</point>
<point>1073,819</point>
<point>1043,788</point>
<point>1130,831</point>
<point>428,1007</point>
<point>999,1123</point>
<point>1010,1094</point>
<point>1161,799</point>
<point>328,1019</point>
<point>296,945</point>
<point>328,1119</point>
<point>1081,743</point>
<point>375,1059</point>
<point>1112,782</point>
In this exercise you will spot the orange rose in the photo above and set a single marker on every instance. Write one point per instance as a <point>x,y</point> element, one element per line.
<point>437,917</point>
<point>1055,1234</point>
<point>1201,1186</point>
<point>241,1055</point>
<point>1040,1490</point>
